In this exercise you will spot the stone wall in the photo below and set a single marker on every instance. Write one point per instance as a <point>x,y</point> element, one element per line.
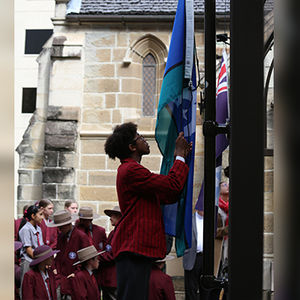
<point>60,155</point>
<point>112,94</point>
<point>31,154</point>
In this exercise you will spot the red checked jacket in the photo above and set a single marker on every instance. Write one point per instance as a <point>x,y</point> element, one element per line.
<point>160,286</point>
<point>140,193</point>
<point>33,286</point>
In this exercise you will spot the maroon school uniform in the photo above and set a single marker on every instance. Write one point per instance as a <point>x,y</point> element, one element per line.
<point>140,193</point>
<point>84,286</point>
<point>49,235</point>
<point>68,256</point>
<point>97,235</point>
<point>17,226</point>
<point>33,286</point>
<point>107,266</point>
<point>160,285</point>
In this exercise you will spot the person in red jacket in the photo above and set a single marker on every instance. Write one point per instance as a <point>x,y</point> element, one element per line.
<point>39,282</point>
<point>18,245</point>
<point>49,233</point>
<point>160,284</point>
<point>84,284</point>
<point>95,233</point>
<point>107,266</point>
<point>18,222</point>
<point>69,241</point>
<point>139,236</point>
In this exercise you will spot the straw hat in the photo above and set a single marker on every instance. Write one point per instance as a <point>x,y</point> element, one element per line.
<point>86,254</point>
<point>167,258</point>
<point>115,210</point>
<point>62,217</point>
<point>86,212</point>
<point>41,253</point>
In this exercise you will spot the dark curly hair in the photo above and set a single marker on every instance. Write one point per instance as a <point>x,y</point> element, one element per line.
<point>117,143</point>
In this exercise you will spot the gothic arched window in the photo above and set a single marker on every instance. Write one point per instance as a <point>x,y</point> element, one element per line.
<point>149,85</point>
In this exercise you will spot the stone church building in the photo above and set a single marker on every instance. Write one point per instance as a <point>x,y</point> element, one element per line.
<point>103,66</point>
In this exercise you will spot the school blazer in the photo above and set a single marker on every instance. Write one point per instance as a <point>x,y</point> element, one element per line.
<point>140,193</point>
<point>98,236</point>
<point>160,286</point>
<point>33,286</point>
<point>83,287</point>
<point>99,241</point>
<point>67,256</point>
<point>49,235</point>
<point>107,267</point>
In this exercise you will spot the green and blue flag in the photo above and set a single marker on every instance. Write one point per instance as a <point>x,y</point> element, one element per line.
<point>177,112</point>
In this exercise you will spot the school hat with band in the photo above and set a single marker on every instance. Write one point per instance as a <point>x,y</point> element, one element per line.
<point>115,210</point>
<point>62,217</point>
<point>166,258</point>
<point>86,254</point>
<point>41,253</point>
<point>87,213</point>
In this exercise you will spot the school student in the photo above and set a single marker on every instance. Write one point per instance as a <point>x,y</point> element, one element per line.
<point>18,245</point>
<point>107,265</point>
<point>71,206</point>
<point>139,236</point>
<point>96,234</point>
<point>160,284</point>
<point>30,234</point>
<point>69,241</point>
<point>49,233</point>
<point>18,222</point>
<point>84,284</point>
<point>39,282</point>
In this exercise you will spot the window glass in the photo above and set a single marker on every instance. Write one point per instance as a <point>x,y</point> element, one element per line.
<point>35,39</point>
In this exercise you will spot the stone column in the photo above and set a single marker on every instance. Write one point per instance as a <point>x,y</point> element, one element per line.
<point>60,157</point>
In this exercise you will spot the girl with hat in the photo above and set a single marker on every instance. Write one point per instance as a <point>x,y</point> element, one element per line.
<point>160,284</point>
<point>39,282</point>
<point>69,241</point>
<point>84,284</point>
<point>96,234</point>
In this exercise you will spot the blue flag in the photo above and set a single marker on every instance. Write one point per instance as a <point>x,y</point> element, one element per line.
<point>222,115</point>
<point>177,112</point>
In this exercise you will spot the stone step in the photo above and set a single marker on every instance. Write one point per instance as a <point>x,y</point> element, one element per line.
<point>179,295</point>
<point>178,282</point>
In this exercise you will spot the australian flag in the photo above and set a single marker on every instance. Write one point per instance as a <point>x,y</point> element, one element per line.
<point>222,116</point>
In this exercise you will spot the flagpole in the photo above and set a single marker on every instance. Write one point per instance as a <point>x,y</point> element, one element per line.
<point>209,139</point>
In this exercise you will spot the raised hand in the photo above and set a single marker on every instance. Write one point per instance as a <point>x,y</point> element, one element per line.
<point>182,147</point>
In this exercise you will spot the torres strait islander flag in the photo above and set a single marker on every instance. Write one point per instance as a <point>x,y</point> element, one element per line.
<point>177,112</point>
